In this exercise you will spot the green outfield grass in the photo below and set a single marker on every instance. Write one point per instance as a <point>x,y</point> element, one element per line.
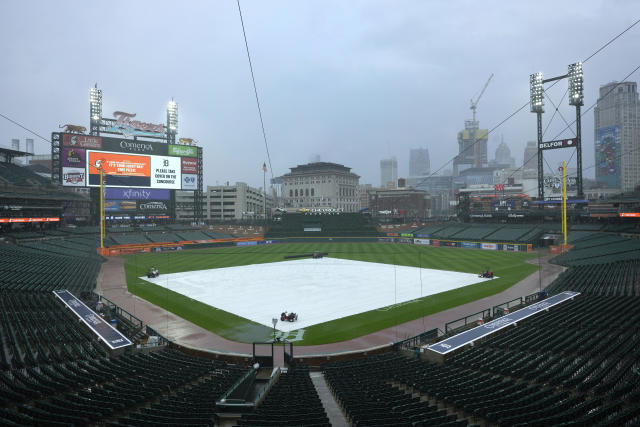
<point>511,268</point>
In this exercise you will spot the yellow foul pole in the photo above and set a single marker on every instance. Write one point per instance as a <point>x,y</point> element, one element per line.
<point>564,202</point>
<point>101,211</point>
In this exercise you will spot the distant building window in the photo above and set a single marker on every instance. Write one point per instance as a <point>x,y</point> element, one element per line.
<point>306,192</point>
<point>312,192</point>
<point>296,192</point>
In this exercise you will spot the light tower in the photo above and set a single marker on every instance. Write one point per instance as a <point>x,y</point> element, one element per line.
<point>172,121</point>
<point>95,110</point>
<point>536,102</point>
<point>576,98</point>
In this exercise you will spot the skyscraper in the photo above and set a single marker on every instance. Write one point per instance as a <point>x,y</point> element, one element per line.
<point>503,156</point>
<point>388,171</point>
<point>472,147</point>
<point>617,136</point>
<point>530,160</point>
<point>419,164</point>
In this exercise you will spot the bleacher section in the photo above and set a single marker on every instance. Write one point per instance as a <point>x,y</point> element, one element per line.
<point>192,235</point>
<point>343,224</point>
<point>129,239</point>
<point>292,401</point>
<point>620,278</point>
<point>574,364</point>
<point>163,237</point>
<point>496,233</point>
<point>18,175</point>
<point>29,269</point>
<point>600,248</point>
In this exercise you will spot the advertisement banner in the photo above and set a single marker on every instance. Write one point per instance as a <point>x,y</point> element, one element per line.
<point>74,177</point>
<point>159,206</point>
<point>182,150</point>
<point>121,145</point>
<point>124,170</point>
<point>489,246</point>
<point>252,243</point>
<point>511,248</point>
<point>472,245</point>
<point>406,235</point>
<point>82,141</point>
<point>136,194</point>
<point>10,220</point>
<point>165,172</point>
<point>189,182</point>
<point>435,243</point>
<point>73,157</point>
<point>385,240</point>
<point>421,241</point>
<point>608,156</point>
<point>189,165</point>
<point>119,205</point>
<point>450,244</point>
<point>405,240</point>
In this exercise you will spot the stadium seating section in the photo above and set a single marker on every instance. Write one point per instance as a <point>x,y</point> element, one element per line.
<point>496,233</point>
<point>575,364</point>
<point>344,225</point>
<point>292,401</point>
<point>18,175</point>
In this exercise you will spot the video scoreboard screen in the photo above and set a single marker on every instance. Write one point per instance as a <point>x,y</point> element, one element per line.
<point>127,163</point>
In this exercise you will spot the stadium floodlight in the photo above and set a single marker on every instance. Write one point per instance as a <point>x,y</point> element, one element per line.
<point>536,93</point>
<point>576,96</point>
<point>172,117</point>
<point>95,98</point>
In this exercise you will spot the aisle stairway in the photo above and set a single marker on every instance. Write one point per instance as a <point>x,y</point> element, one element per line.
<point>336,417</point>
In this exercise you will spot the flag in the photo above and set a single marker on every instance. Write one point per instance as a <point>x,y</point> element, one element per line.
<point>264,167</point>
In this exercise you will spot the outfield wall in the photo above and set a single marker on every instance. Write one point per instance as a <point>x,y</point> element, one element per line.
<point>489,246</point>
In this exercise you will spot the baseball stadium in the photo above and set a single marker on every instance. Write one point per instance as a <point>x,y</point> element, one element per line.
<point>482,294</point>
<point>440,323</point>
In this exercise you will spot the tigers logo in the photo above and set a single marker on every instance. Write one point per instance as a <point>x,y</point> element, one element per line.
<point>98,164</point>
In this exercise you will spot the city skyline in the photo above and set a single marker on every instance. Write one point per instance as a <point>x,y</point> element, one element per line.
<point>335,80</point>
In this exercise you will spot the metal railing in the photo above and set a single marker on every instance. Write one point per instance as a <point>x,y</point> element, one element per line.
<point>466,321</point>
<point>416,341</point>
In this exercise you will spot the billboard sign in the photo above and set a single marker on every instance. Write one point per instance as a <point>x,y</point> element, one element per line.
<point>189,165</point>
<point>421,241</point>
<point>159,206</point>
<point>74,177</point>
<point>189,182</point>
<point>73,157</point>
<point>607,156</point>
<point>123,170</point>
<point>489,246</point>
<point>121,145</point>
<point>560,143</point>
<point>133,170</point>
<point>165,172</point>
<point>82,141</point>
<point>183,151</point>
<point>136,194</point>
<point>119,205</point>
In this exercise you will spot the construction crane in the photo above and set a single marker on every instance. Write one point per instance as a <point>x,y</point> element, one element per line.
<point>474,124</point>
<point>474,104</point>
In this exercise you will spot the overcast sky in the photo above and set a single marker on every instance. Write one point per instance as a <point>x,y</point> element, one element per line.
<point>349,81</point>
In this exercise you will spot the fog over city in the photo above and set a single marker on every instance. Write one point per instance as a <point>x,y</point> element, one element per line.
<point>350,82</point>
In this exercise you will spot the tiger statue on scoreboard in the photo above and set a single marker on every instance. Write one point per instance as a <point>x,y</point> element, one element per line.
<point>73,128</point>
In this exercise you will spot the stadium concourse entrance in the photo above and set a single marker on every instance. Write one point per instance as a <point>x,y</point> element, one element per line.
<point>269,355</point>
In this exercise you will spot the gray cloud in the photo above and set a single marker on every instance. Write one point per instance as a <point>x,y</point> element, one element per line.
<point>350,81</point>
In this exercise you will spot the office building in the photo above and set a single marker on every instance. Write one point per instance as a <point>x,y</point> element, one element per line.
<point>321,185</point>
<point>389,172</point>
<point>617,136</point>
